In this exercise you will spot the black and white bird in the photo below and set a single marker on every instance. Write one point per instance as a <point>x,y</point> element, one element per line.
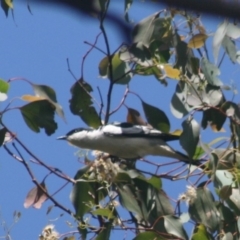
<point>125,140</point>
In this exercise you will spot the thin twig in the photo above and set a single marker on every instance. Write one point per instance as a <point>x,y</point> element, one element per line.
<point>44,164</point>
<point>122,101</point>
<point>220,63</point>
<point>85,56</point>
<point>95,47</point>
<point>23,161</point>
<point>70,71</point>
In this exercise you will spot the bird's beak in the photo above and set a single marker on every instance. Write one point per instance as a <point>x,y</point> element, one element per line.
<point>62,138</point>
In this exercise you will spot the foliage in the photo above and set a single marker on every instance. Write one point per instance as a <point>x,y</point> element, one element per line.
<point>164,51</point>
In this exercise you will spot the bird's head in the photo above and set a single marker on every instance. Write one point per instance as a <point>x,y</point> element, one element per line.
<point>75,135</point>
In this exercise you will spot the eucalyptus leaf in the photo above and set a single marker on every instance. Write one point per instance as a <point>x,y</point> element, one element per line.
<point>211,73</point>
<point>156,117</point>
<point>225,192</point>
<point>218,38</point>
<point>152,28</point>
<point>105,212</point>
<point>203,210</point>
<point>39,114</point>
<point>4,86</point>
<point>129,200</point>
<point>233,201</point>
<point>82,196</point>
<point>3,132</point>
<point>5,6</point>
<point>179,106</point>
<point>150,235</point>
<point>81,103</point>
<point>48,93</point>
<point>136,53</point>
<point>201,233</point>
<point>190,136</point>
<point>174,226</point>
<point>233,31</point>
<point>182,52</point>
<point>106,232</point>
<point>230,48</point>
<point>121,73</point>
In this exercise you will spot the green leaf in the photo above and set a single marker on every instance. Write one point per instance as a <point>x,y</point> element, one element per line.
<point>160,51</point>
<point>103,67</point>
<point>154,199</point>
<point>156,117</point>
<point>4,86</point>
<point>202,209</point>
<point>150,235</point>
<point>120,70</point>
<point>174,226</point>
<point>82,197</point>
<point>223,178</point>
<point>105,212</point>
<point>229,159</point>
<point>81,103</point>
<point>195,64</point>
<point>227,216</point>
<point>211,72</point>
<point>182,52</point>
<point>214,117</point>
<point>179,106</point>
<point>152,28</point>
<point>233,201</point>
<point>155,182</point>
<point>233,31</point>
<point>9,3</point>
<point>200,233</point>
<point>122,177</point>
<point>48,93</point>
<point>3,132</point>
<point>143,31</point>
<point>217,39</point>
<point>230,48</point>
<point>6,5</point>
<point>39,114</point>
<point>190,136</point>
<point>131,201</point>
<point>136,53</point>
<point>225,192</point>
<point>81,172</point>
<point>106,232</point>
<point>127,6</point>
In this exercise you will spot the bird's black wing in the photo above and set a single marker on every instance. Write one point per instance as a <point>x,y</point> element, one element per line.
<point>136,131</point>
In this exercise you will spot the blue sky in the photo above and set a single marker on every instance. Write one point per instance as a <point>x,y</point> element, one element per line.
<point>36,47</point>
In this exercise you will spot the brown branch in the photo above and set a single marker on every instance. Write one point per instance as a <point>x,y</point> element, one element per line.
<point>44,164</point>
<point>34,180</point>
<point>110,67</point>
<point>87,53</point>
